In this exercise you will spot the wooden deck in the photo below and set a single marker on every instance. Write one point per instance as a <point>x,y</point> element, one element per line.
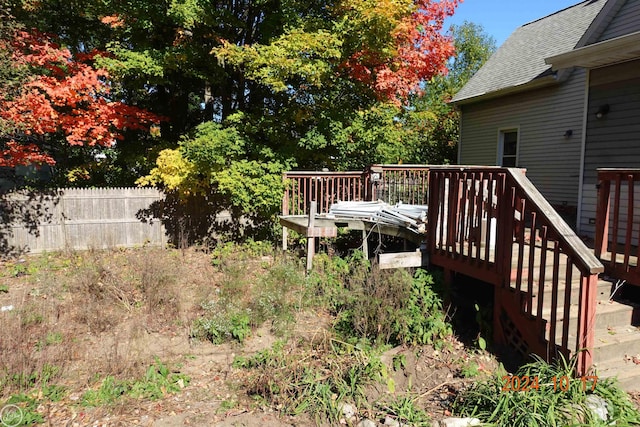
<point>489,223</point>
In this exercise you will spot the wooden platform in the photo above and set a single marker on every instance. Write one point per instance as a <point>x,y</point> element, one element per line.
<point>312,226</point>
<point>324,226</point>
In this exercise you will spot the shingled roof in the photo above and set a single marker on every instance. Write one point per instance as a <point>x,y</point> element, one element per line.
<point>521,59</point>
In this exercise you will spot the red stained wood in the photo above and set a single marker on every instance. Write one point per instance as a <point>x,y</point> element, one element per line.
<point>462,202</point>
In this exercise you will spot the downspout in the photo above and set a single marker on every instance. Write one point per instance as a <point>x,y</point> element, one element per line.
<point>583,148</point>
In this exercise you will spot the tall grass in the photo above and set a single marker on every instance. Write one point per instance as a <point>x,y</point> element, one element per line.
<point>553,399</point>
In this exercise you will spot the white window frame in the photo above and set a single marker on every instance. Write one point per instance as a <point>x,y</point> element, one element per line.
<point>500,151</point>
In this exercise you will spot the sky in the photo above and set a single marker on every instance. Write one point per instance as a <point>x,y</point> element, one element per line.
<point>500,18</point>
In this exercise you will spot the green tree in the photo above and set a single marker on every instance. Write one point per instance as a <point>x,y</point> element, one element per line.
<point>433,121</point>
<point>11,75</point>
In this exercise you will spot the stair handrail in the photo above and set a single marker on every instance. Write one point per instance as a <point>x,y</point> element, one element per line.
<point>513,192</point>
<point>571,243</point>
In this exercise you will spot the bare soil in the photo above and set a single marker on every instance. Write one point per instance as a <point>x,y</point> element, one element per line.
<point>93,314</point>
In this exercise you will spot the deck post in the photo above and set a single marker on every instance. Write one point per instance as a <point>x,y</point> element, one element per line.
<point>433,188</point>
<point>504,241</point>
<point>602,217</point>
<point>365,242</point>
<point>285,211</point>
<point>311,241</point>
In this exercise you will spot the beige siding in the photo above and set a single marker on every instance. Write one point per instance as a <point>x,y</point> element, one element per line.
<point>614,141</point>
<point>626,21</point>
<point>543,116</point>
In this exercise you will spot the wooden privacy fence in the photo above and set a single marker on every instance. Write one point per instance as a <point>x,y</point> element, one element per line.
<point>617,241</point>
<point>82,218</point>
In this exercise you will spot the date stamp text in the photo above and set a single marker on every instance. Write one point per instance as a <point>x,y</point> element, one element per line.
<point>533,383</point>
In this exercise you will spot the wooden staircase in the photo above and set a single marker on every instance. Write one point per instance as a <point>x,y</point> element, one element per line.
<point>616,350</point>
<point>617,342</point>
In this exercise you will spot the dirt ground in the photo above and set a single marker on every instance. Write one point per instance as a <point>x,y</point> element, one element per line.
<point>110,329</point>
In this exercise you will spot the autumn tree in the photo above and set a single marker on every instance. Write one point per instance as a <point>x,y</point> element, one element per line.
<point>432,120</point>
<point>64,102</point>
<point>293,84</point>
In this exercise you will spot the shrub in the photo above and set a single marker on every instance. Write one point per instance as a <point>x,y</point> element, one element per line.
<point>385,306</point>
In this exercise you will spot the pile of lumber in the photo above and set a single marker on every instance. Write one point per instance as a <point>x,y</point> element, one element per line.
<point>413,217</point>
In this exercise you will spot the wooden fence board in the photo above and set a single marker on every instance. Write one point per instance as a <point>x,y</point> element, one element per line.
<point>84,218</point>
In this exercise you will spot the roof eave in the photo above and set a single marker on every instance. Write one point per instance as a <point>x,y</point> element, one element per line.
<point>532,84</point>
<point>607,52</point>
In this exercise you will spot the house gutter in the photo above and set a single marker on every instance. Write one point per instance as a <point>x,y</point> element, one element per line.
<point>607,52</point>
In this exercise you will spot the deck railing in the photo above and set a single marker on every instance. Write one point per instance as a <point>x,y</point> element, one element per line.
<point>617,217</point>
<point>493,224</point>
<point>390,183</point>
<point>324,188</point>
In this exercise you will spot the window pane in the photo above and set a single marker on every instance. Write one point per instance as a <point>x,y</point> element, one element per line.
<point>509,161</point>
<point>510,143</point>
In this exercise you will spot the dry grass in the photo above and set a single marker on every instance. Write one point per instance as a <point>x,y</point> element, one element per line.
<point>79,315</point>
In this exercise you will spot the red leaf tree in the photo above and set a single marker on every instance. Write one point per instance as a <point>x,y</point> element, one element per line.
<point>417,50</point>
<point>66,100</point>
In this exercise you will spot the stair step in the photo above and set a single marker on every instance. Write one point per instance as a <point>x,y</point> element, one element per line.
<point>603,292</point>
<point>615,343</point>
<point>609,314</point>
<point>621,365</point>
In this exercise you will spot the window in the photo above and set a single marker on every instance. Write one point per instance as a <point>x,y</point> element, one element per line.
<point>508,148</point>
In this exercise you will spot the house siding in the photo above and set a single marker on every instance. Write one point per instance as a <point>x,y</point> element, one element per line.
<point>542,116</point>
<point>614,141</point>
<point>625,21</point>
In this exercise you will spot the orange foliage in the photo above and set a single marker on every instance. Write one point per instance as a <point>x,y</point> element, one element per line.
<point>67,96</point>
<point>114,21</point>
<point>421,51</point>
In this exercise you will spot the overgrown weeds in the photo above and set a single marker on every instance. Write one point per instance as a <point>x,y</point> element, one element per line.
<point>71,294</point>
<point>383,306</point>
<point>156,383</point>
<point>317,380</point>
<point>246,299</point>
<point>373,310</point>
<point>541,394</point>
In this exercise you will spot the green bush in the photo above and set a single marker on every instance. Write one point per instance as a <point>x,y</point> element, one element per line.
<point>382,306</point>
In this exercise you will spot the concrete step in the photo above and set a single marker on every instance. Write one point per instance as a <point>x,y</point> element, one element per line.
<point>616,343</point>
<point>624,367</point>
<point>609,314</point>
